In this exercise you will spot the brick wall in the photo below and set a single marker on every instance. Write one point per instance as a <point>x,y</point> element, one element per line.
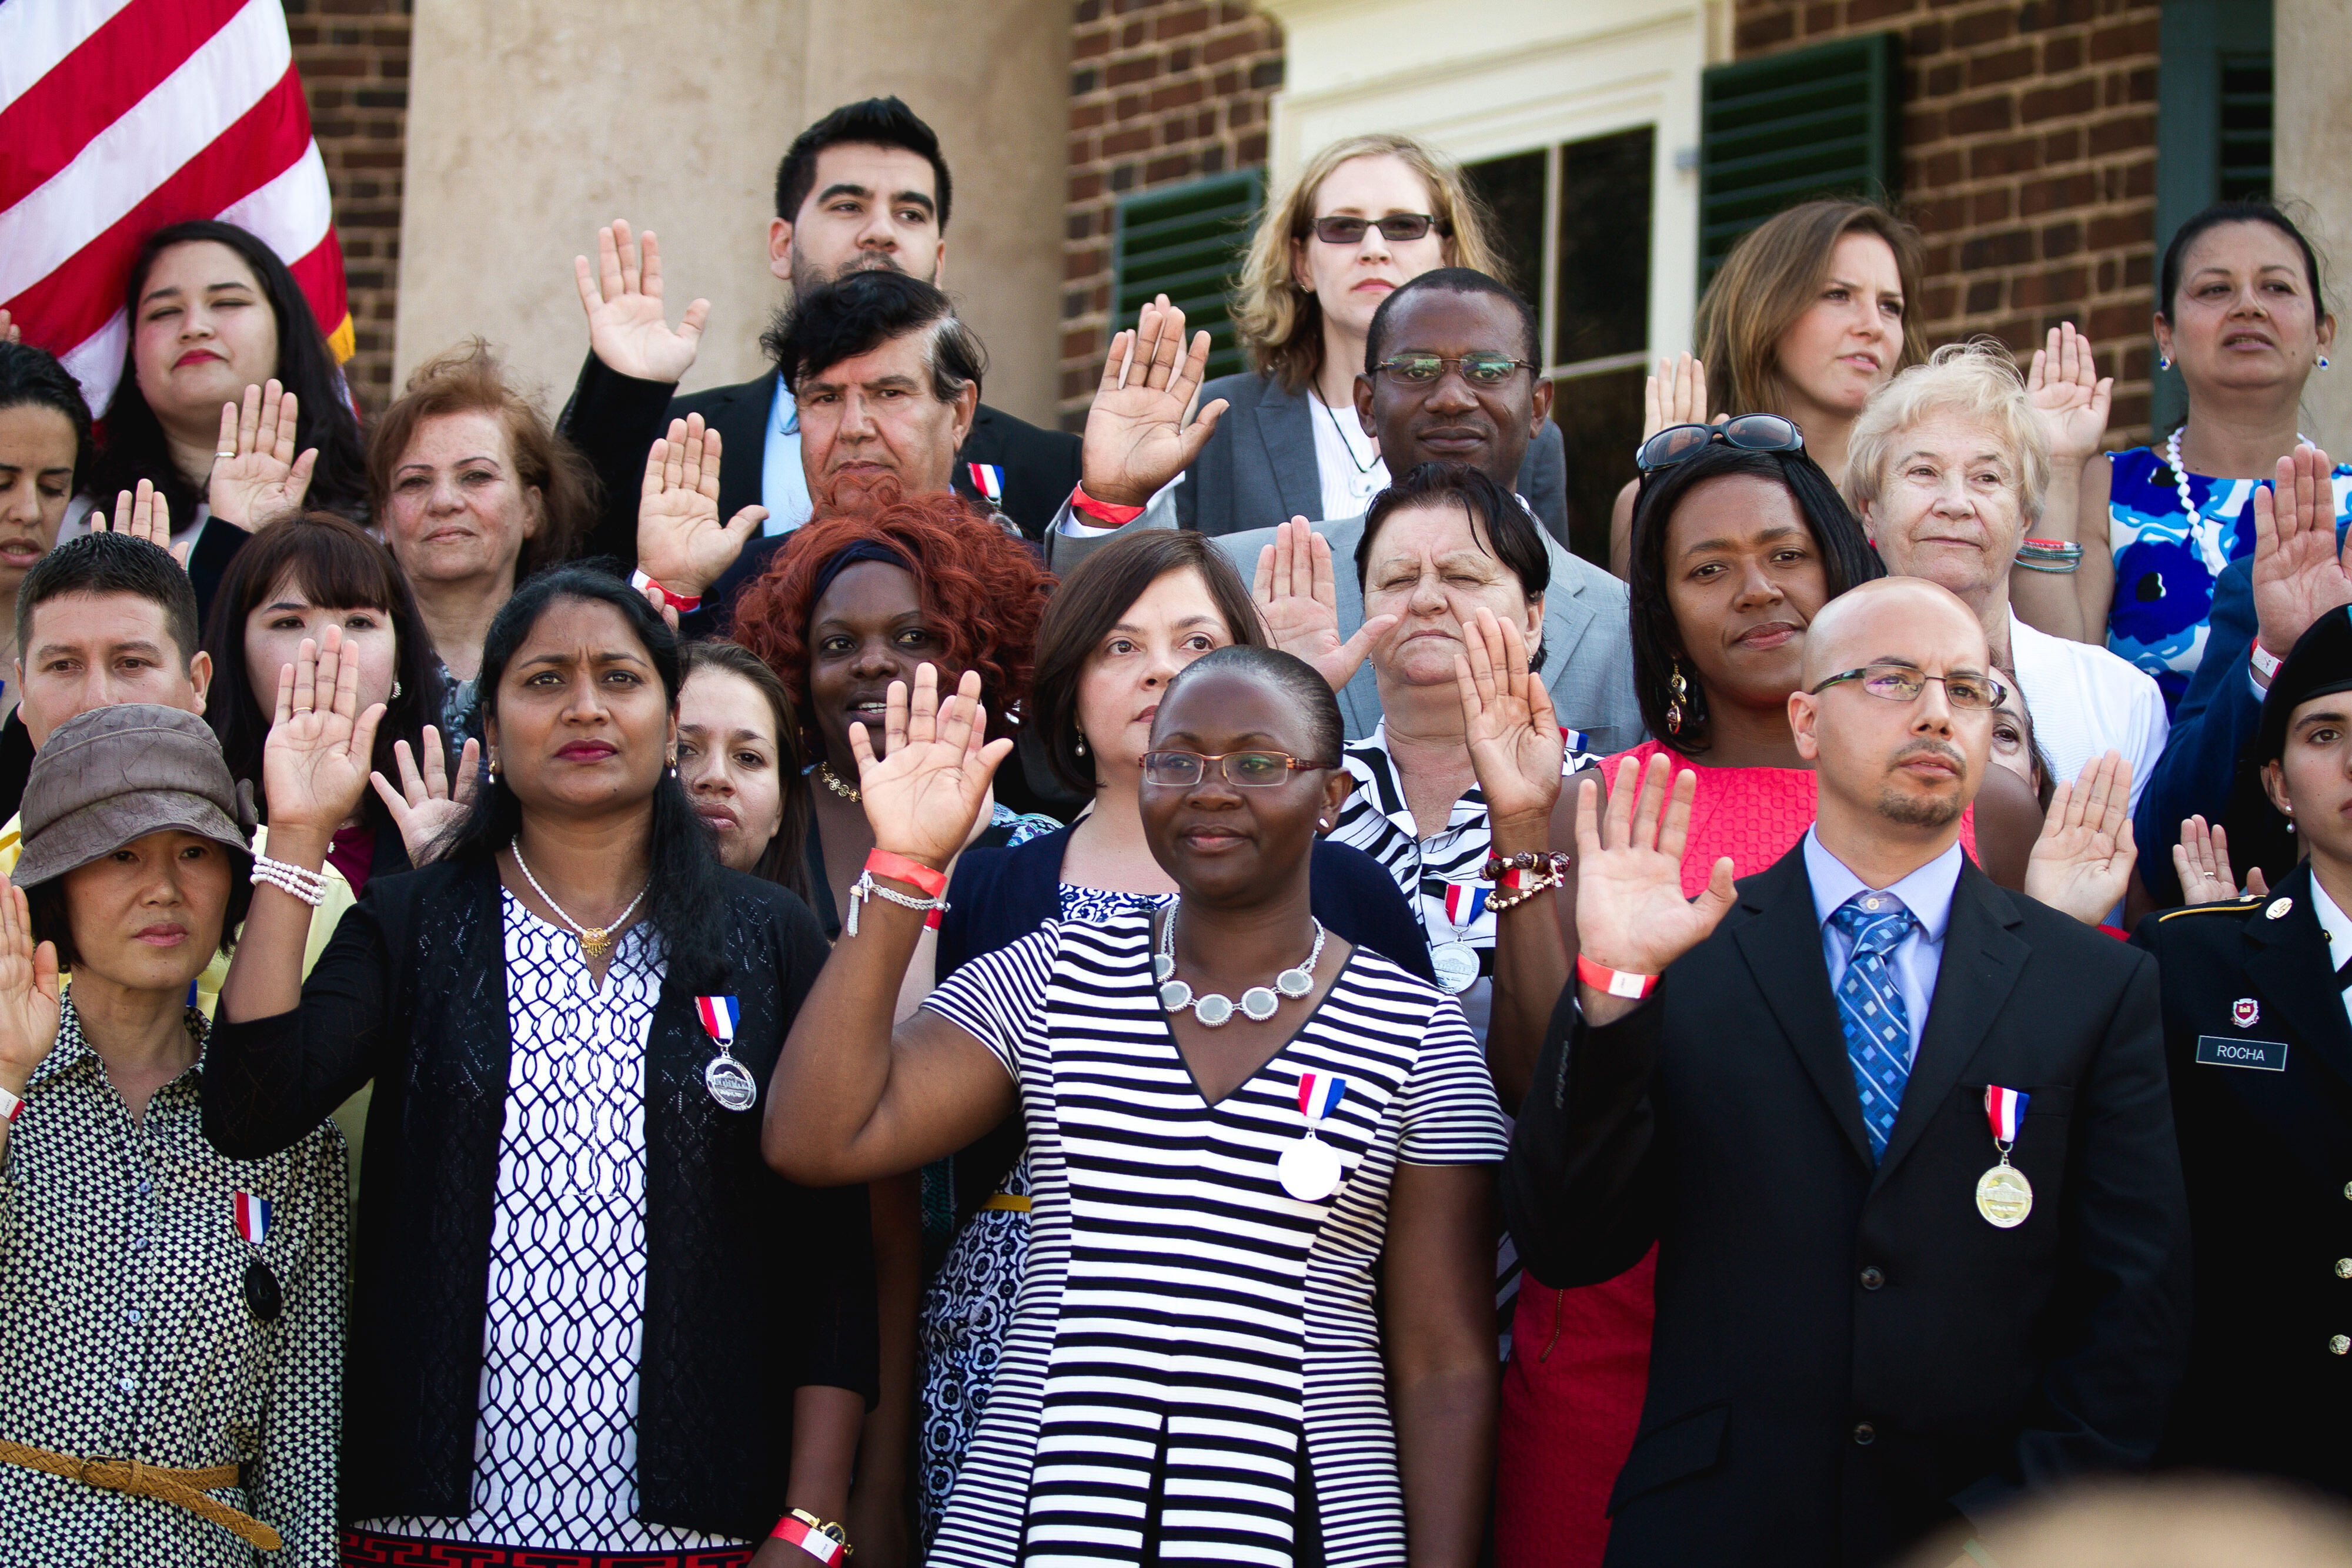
<point>354,57</point>
<point>2029,164</point>
<point>1162,91</point>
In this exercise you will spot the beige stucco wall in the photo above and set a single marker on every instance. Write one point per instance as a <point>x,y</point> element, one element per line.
<point>531,121</point>
<point>2313,137</point>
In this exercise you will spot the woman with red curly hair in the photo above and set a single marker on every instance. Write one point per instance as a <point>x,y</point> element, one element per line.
<point>856,604</point>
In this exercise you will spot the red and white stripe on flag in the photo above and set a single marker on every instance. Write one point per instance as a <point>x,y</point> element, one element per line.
<point>118,117</point>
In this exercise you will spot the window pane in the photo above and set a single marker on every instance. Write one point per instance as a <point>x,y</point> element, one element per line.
<point>2246,126</point>
<point>1513,190</point>
<point>1599,418</point>
<point>1602,304</point>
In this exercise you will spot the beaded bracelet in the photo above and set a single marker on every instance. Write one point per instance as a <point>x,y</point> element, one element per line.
<point>1499,867</point>
<point>310,886</point>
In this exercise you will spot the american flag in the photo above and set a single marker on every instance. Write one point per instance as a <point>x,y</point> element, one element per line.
<point>118,117</point>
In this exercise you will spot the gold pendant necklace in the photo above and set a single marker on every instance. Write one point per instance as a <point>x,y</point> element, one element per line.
<point>595,941</point>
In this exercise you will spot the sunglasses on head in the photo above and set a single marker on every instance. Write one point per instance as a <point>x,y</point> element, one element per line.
<point>1396,228</point>
<point>1748,433</point>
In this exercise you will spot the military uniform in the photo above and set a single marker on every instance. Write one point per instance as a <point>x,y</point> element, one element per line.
<point>2260,1050</point>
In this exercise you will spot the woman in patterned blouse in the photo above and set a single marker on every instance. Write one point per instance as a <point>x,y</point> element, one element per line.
<point>167,1313</point>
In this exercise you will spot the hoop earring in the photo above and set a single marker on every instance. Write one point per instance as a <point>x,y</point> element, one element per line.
<point>1681,690</point>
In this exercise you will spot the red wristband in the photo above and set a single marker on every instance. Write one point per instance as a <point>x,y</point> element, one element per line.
<point>882,862</point>
<point>1614,982</point>
<point>678,601</point>
<point>931,921</point>
<point>2046,544</point>
<point>1102,513</point>
<point>10,1107</point>
<point>809,1539</point>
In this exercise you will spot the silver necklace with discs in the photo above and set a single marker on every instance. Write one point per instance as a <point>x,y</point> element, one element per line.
<point>1258,1004</point>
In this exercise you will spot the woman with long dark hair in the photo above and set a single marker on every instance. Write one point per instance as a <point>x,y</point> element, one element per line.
<point>214,313</point>
<point>739,755</point>
<point>568,1016</point>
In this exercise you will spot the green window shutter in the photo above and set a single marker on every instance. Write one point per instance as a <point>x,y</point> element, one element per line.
<point>1186,242</point>
<point>1777,129</point>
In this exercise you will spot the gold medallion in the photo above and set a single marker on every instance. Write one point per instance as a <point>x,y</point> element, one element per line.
<point>2004,1197</point>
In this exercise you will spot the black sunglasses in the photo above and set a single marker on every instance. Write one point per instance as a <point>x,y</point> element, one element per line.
<point>1748,433</point>
<point>1396,228</point>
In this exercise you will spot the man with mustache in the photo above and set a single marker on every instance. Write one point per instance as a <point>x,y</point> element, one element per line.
<point>1903,1140</point>
<point>1946,468</point>
<point>864,189</point>
<point>1137,442</point>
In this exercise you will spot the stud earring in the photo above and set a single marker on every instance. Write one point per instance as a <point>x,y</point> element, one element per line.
<point>2164,362</point>
<point>494,767</point>
<point>395,691</point>
<point>1681,690</point>
<point>2323,362</point>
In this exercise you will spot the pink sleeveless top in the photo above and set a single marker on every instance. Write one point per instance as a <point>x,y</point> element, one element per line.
<point>1580,1358</point>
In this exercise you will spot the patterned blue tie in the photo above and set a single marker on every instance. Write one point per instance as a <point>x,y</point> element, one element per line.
<point>1870,1007</point>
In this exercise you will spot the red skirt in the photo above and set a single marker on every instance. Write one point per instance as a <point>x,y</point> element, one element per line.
<point>1572,1400</point>
<point>366,1548</point>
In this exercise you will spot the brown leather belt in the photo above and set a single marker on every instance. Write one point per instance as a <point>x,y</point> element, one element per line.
<point>182,1488</point>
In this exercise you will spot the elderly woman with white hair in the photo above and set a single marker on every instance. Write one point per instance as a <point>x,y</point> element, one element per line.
<point>1947,468</point>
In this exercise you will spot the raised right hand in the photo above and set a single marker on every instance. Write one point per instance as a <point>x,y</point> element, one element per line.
<point>1136,439</point>
<point>922,798</point>
<point>1675,395</point>
<point>681,544</point>
<point>2299,574</point>
<point>1630,910</point>
<point>1515,745</point>
<point>623,297</point>
<point>314,765</point>
<point>425,807</point>
<point>2202,859</point>
<point>28,992</point>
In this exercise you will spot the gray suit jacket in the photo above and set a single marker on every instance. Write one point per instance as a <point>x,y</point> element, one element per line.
<point>1258,468</point>
<point>1589,660</point>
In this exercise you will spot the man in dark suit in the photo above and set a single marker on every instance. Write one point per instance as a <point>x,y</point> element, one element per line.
<point>1867,1327</point>
<point>864,188</point>
<point>2260,1045</point>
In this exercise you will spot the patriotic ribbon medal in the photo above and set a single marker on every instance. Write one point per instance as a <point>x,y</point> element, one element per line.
<point>988,478</point>
<point>250,1211</point>
<point>2003,1194</point>
<point>1456,962</point>
<point>729,1082</point>
<point>1310,1168</point>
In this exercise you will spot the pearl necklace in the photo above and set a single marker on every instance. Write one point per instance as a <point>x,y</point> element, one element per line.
<point>1257,1003</point>
<point>2180,473</point>
<point>594,941</point>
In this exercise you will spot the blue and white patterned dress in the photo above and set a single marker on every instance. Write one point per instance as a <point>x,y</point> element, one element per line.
<point>2166,563</point>
<point>1195,1358</point>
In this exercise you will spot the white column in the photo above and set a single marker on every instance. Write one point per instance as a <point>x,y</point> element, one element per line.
<point>2311,149</point>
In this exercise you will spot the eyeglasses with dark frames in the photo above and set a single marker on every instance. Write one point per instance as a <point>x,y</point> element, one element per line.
<point>1250,770</point>
<point>1748,433</point>
<point>1396,228</point>
<point>1902,683</point>
<point>1478,370</point>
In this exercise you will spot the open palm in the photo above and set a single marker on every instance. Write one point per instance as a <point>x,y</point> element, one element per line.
<point>923,796</point>
<point>2082,862</point>
<point>681,543</point>
<point>264,480</point>
<point>1630,910</point>
<point>2300,572</point>
<point>29,997</point>
<point>1297,599</point>
<point>2069,398</point>
<point>1136,438</point>
<point>314,765</point>
<point>623,297</point>
<point>424,807</point>
<point>1513,734</point>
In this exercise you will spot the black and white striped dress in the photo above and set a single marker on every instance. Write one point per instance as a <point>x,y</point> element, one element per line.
<point>1182,1322</point>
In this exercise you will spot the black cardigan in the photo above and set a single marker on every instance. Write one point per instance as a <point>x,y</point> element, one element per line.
<point>754,1287</point>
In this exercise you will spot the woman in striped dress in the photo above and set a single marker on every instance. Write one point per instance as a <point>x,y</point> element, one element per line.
<point>1197,1370</point>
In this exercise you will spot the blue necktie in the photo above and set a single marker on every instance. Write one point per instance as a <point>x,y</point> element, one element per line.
<point>1870,1007</point>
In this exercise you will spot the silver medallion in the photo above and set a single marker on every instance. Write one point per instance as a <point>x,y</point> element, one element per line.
<point>730,1082</point>
<point>1457,964</point>
<point>1258,1004</point>
<point>1309,1170</point>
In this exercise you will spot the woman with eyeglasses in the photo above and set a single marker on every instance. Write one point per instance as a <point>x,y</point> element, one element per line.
<point>1364,216</point>
<point>1808,316</point>
<point>1261,1211</point>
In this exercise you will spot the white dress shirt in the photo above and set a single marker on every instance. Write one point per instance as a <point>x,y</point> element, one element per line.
<point>783,487</point>
<point>2339,926</point>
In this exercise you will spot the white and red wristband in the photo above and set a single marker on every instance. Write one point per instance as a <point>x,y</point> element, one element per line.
<point>811,1540</point>
<point>1614,982</point>
<point>2265,662</point>
<point>681,603</point>
<point>10,1107</point>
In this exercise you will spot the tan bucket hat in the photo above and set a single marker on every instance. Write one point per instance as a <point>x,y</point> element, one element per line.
<point>116,774</point>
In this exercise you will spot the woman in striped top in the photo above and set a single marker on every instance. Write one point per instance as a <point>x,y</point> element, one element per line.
<point>1197,1369</point>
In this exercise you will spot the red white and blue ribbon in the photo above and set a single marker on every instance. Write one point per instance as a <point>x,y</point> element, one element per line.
<point>252,1214</point>
<point>719,1015</point>
<point>1464,901</point>
<point>1320,1094</point>
<point>2005,1108</point>
<point>988,478</point>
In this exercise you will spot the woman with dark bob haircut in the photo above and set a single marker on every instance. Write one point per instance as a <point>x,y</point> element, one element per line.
<point>1116,632</point>
<point>568,1018</point>
<point>859,601</point>
<point>296,578</point>
<point>215,317</point>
